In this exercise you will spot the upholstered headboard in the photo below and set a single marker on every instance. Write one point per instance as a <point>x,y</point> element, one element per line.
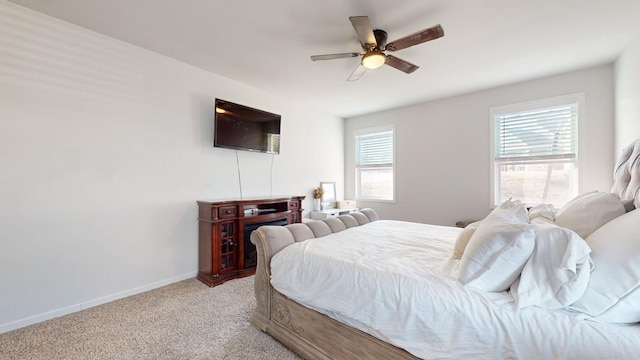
<point>626,177</point>
<point>270,239</point>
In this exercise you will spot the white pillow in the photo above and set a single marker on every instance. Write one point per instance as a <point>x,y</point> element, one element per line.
<point>613,293</point>
<point>514,209</point>
<point>498,249</point>
<point>546,211</point>
<point>587,212</point>
<point>463,239</point>
<point>557,273</point>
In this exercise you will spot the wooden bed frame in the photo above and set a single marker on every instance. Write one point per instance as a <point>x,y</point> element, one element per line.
<point>308,333</point>
<point>315,336</point>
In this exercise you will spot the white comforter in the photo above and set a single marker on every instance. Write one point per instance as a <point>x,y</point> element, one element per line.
<point>397,281</point>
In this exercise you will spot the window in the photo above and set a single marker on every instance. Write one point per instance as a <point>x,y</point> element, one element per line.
<point>375,174</point>
<point>535,151</point>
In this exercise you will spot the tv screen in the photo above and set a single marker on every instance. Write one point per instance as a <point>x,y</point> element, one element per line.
<point>244,128</point>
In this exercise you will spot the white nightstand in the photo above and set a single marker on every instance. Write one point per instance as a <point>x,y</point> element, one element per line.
<point>323,214</point>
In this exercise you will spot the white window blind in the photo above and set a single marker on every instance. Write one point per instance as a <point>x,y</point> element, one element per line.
<point>543,134</point>
<point>375,174</point>
<point>535,150</point>
<point>374,149</point>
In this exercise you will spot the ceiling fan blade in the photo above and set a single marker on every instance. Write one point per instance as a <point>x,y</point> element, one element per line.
<point>416,38</point>
<point>357,73</point>
<point>363,28</point>
<point>401,65</point>
<point>333,56</point>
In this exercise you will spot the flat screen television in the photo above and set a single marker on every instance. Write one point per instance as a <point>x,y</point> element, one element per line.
<point>243,128</point>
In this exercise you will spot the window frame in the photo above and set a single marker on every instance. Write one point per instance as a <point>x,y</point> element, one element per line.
<point>577,98</point>
<point>357,167</point>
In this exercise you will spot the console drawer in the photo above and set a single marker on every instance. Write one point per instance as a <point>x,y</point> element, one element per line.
<point>227,212</point>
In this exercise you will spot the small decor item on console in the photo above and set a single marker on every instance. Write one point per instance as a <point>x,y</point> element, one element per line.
<point>347,204</point>
<point>317,196</point>
<point>328,199</point>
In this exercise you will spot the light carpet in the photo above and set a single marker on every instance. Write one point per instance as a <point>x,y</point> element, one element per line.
<point>185,320</point>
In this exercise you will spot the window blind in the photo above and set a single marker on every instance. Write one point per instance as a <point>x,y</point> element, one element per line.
<point>542,134</point>
<point>374,149</point>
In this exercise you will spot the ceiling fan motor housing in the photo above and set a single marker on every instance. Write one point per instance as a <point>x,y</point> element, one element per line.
<point>381,39</point>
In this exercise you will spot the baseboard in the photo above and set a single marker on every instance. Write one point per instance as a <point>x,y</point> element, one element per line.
<point>91,303</point>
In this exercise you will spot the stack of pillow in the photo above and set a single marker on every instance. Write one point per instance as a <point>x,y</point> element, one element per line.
<point>498,249</point>
<point>582,257</point>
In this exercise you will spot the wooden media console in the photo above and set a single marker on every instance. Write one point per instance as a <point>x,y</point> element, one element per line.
<point>224,247</point>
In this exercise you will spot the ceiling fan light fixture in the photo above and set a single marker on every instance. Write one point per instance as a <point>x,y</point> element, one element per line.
<point>373,60</point>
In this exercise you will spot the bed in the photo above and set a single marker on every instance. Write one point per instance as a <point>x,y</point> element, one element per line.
<point>522,283</point>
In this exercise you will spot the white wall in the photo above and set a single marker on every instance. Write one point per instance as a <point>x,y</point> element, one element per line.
<point>105,149</point>
<point>627,76</point>
<point>442,147</point>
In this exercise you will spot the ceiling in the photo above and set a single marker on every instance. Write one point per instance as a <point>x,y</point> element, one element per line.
<point>267,44</point>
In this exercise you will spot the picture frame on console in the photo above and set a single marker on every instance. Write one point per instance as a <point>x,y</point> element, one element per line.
<point>328,199</point>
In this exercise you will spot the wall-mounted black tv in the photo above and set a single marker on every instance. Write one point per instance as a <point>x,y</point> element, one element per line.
<point>243,128</point>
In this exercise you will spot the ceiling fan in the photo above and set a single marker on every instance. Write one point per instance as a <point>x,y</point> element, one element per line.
<point>374,43</point>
